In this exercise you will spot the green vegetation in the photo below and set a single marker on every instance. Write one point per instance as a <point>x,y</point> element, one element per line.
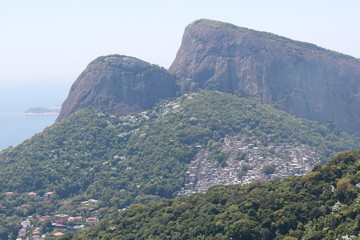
<point>144,157</point>
<point>323,204</point>
<point>118,158</point>
<point>96,154</point>
<point>241,156</point>
<point>269,169</point>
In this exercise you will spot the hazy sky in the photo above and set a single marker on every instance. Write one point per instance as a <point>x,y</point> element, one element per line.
<point>54,40</point>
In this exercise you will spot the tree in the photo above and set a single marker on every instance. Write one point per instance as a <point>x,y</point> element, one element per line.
<point>344,189</point>
<point>244,229</point>
<point>269,169</point>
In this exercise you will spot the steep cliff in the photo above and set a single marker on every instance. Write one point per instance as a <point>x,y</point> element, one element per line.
<point>300,78</point>
<point>120,85</point>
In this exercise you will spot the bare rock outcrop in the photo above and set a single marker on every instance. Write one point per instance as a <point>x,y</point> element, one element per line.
<point>300,78</point>
<point>119,85</point>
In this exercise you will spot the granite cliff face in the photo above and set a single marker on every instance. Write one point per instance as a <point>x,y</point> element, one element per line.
<point>300,78</point>
<point>120,85</point>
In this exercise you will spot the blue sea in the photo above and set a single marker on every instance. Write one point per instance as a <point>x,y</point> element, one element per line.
<point>15,98</point>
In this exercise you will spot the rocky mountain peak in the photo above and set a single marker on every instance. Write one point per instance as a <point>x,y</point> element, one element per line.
<point>120,85</point>
<point>300,78</point>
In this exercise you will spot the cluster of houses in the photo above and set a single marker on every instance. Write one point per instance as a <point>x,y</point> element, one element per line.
<point>287,160</point>
<point>59,223</point>
<point>34,194</point>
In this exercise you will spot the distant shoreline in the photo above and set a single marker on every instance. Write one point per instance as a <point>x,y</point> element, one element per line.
<point>41,114</point>
<point>40,111</point>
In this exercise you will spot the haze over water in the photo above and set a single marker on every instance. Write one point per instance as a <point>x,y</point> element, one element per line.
<point>15,99</point>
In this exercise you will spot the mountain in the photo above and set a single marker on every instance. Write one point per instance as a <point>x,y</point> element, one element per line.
<point>323,204</point>
<point>119,85</point>
<point>300,78</point>
<point>123,157</point>
<point>123,138</point>
<point>177,148</point>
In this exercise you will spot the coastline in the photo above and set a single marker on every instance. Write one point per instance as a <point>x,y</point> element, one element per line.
<point>41,114</point>
<point>16,127</point>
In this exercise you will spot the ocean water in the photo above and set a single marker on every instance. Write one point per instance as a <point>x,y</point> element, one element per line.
<point>15,98</point>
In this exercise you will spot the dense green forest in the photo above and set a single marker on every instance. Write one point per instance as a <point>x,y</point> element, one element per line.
<point>121,160</point>
<point>324,204</point>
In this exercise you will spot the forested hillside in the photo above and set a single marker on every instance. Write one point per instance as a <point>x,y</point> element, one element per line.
<point>323,204</point>
<point>121,160</point>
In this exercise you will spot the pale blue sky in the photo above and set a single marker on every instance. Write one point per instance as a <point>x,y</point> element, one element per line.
<point>54,40</point>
